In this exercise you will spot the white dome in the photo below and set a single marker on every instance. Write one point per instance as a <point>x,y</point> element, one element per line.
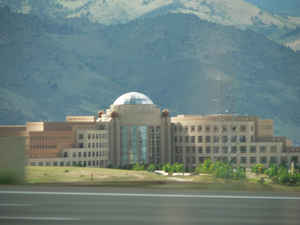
<point>133,98</point>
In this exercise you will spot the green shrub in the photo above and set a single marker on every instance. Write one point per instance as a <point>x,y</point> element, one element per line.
<point>167,167</point>
<point>178,167</point>
<point>151,168</point>
<point>138,167</point>
<point>258,169</point>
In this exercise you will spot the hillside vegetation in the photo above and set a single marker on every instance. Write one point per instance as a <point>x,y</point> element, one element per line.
<point>49,70</point>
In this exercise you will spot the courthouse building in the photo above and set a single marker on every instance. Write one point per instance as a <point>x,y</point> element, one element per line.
<point>134,130</point>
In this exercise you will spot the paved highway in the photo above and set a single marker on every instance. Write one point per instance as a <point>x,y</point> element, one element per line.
<point>91,205</point>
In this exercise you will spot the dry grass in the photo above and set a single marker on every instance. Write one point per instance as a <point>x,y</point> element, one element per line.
<point>130,178</point>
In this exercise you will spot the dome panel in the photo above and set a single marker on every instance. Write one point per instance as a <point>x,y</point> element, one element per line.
<point>133,98</point>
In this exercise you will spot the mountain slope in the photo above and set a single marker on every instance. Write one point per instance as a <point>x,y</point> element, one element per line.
<point>227,12</point>
<point>286,7</point>
<point>238,13</point>
<point>51,70</point>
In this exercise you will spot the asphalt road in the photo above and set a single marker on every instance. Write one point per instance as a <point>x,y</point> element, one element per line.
<point>90,205</point>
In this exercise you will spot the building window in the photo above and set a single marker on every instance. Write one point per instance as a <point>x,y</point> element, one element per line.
<point>224,128</point>
<point>263,159</point>
<point>200,150</point>
<point>224,139</point>
<point>186,139</point>
<point>62,164</point>
<point>207,128</point>
<point>243,128</point>
<point>93,136</point>
<point>79,154</point>
<point>233,160</point>
<point>208,149</point>
<point>180,128</point>
<point>253,149</point>
<point>80,145</point>
<point>55,163</point>
<point>262,149</point>
<point>84,154</point>
<point>233,149</point>
<point>252,160</point>
<point>243,139</point>
<point>193,149</point>
<point>178,150</point>
<point>192,128</point>
<point>199,128</point>
<point>233,128</point>
<point>274,149</point>
<point>200,139</point>
<point>273,160</point>
<point>41,163</point>
<point>243,149</point>
<point>186,129</point>
<point>201,159</point>
<point>216,129</point>
<point>233,139</point>
<point>224,149</point>
<point>187,149</point>
<point>180,139</point>
<point>93,154</point>
<point>89,136</point>
<point>216,139</point>
<point>80,136</point>
<point>47,163</point>
<point>193,139</point>
<point>175,128</point>
<point>243,160</point>
<point>89,145</point>
<point>207,139</point>
<point>175,139</point>
<point>216,149</point>
<point>65,154</point>
<point>93,145</point>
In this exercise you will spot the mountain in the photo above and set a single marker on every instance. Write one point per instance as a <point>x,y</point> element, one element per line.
<point>49,69</point>
<point>227,12</point>
<point>286,7</point>
<point>238,13</point>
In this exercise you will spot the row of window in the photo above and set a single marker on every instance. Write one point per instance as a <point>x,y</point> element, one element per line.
<point>93,136</point>
<point>85,154</point>
<point>212,139</point>
<point>93,145</point>
<point>242,159</point>
<point>211,128</point>
<point>98,163</point>
<point>226,149</point>
<point>39,138</point>
<point>43,146</point>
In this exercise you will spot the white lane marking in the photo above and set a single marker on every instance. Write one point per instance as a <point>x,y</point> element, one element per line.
<point>152,195</point>
<point>14,204</point>
<point>38,218</point>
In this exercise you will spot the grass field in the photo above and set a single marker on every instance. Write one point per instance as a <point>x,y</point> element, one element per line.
<point>130,178</point>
